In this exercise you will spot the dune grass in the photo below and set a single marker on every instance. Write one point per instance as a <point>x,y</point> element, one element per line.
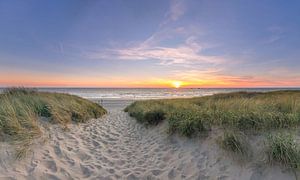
<point>21,108</point>
<point>149,112</point>
<point>236,143</point>
<point>243,110</point>
<point>237,113</point>
<point>282,148</point>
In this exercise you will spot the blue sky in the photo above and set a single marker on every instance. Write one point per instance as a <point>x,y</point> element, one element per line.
<point>150,43</point>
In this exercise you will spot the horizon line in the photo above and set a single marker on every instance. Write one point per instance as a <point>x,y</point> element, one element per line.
<point>88,87</point>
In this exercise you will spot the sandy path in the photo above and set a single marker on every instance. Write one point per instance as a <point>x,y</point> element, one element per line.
<point>116,147</point>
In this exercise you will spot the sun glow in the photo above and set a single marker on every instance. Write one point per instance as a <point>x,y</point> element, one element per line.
<point>176,84</point>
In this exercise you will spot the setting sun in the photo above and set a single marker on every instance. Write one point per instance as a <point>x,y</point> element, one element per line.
<point>176,84</point>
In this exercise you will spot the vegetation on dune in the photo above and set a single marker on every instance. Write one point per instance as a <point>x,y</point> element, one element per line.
<point>187,121</point>
<point>282,148</point>
<point>149,112</point>
<point>235,142</point>
<point>237,114</point>
<point>20,109</point>
<point>244,111</point>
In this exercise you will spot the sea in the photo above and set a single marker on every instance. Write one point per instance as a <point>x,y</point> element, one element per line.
<point>150,93</point>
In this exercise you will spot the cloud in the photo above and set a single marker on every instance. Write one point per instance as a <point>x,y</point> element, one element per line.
<point>216,77</point>
<point>177,9</point>
<point>168,45</point>
<point>212,77</point>
<point>276,34</point>
<point>187,53</point>
<point>272,39</point>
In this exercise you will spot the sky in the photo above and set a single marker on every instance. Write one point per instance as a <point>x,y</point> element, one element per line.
<point>150,43</point>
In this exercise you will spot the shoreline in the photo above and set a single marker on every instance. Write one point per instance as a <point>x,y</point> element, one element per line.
<point>150,93</point>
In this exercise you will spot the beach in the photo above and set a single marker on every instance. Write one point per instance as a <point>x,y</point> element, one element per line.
<point>149,90</point>
<point>117,147</point>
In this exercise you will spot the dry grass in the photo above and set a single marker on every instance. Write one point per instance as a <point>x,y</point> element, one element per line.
<point>242,112</point>
<point>21,108</point>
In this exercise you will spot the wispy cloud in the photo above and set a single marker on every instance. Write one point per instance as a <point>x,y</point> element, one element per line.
<point>189,53</point>
<point>177,9</point>
<point>272,39</point>
<point>187,48</point>
<point>276,33</point>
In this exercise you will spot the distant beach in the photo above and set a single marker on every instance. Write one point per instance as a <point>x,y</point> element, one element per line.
<point>149,93</point>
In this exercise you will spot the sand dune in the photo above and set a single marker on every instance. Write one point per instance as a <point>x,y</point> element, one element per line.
<point>116,147</point>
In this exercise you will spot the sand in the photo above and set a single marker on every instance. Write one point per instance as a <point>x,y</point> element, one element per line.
<point>117,147</point>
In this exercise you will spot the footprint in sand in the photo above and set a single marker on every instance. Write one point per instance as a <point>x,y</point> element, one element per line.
<point>117,147</point>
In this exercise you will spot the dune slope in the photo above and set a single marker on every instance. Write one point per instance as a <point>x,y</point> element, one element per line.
<point>117,147</point>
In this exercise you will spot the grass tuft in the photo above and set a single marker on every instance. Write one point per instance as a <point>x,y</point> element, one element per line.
<point>235,142</point>
<point>187,122</point>
<point>154,117</point>
<point>148,112</point>
<point>283,149</point>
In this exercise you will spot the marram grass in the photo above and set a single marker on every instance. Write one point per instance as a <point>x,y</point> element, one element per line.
<point>21,108</point>
<point>242,110</point>
<point>235,142</point>
<point>283,149</point>
<point>238,114</point>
